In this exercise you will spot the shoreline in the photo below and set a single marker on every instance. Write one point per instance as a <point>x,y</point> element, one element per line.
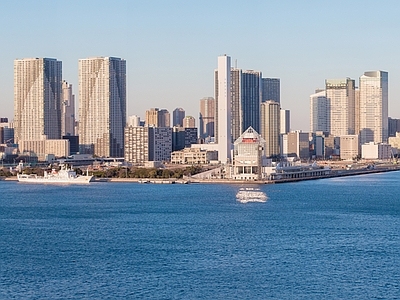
<point>335,173</point>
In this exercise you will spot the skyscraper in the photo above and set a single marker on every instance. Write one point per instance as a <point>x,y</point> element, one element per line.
<point>319,112</point>
<point>374,107</point>
<point>341,98</point>
<point>102,111</point>
<point>270,127</point>
<point>207,116</point>
<point>37,99</point>
<point>271,89</point>
<point>177,117</point>
<point>67,110</point>
<point>223,108</point>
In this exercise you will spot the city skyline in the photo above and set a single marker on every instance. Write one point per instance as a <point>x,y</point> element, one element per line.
<point>139,29</point>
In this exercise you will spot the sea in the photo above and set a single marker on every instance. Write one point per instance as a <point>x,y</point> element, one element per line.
<point>335,238</point>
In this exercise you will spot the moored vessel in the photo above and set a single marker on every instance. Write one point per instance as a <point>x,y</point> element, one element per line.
<point>64,175</point>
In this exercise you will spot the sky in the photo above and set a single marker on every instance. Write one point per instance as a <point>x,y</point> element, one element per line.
<point>171,46</point>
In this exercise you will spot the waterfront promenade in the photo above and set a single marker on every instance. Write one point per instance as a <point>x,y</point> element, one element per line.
<point>338,170</point>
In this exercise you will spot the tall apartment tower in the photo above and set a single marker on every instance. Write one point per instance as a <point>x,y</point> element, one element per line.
<point>246,100</point>
<point>374,107</point>
<point>37,99</point>
<point>319,112</point>
<point>271,89</point>
<point>102,111</point>
<point>285,121</point>
<point>223,108</point>
<point>341,96</point>
<point>207,117</point>
<point>270,127</point>
<point>177,117</point>
<point>67,110</point>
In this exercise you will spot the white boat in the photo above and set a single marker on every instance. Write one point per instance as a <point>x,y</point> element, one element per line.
<point>245,195</point>
<point>64,175</point>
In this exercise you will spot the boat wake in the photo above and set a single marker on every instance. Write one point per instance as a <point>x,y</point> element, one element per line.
<point>246,195</point>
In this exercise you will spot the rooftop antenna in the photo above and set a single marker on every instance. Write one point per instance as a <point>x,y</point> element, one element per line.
<point>235,63</point>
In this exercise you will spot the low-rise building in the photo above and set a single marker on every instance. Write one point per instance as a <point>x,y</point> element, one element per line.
<point>349,147</point>
<point>373,150</point>
<point>193,156</point>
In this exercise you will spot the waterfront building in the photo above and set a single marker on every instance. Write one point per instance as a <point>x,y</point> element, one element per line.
<point>37,99</point>
<point>270,127</point>
<point>177,116</point>
<point>319,112</point>
<point>271,89</point>
<point>189,122</point>
<point>349,147</point>
<point>42,149</point>
<point>102,110</point>
<point>373,150</point>
<point>285,121</point>
<point>223,108</point>
<point>374,107</point>
<point>341,98</point>
<point>192,156</point>
<point>248,156</point>
<point>67,110</point>
<point>207,117</point>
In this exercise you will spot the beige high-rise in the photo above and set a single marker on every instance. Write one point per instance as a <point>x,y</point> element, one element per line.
<point>374,107</point>
<point>102,110</point>
<point>207,117</point>
<point>341,97</point>
<point>37,99</point>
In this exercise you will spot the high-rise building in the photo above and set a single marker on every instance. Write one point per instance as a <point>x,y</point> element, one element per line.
<point>341,97</point>
<point>270,127</point>
<point>165,118</point>
<point>357,111</point>
<point>207,116</point>
<point>319,112</point>
<point>37,99</point>
<point>285,121</point>
<point>223,108</point>
<point>246,100</point>
<point>189,122</point>
<point>102,111</point>
<point>374,107</point>
<point>67,110</point>
<point>177,117</point>
<point>147,144</point>
<point>271,89</point>
<point>158,118</point>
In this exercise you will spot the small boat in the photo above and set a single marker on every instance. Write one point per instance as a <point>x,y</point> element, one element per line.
<point>245,195</point>
<point>64,175</point>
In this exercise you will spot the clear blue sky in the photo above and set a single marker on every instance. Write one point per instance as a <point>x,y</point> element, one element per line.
<point>171,46</point>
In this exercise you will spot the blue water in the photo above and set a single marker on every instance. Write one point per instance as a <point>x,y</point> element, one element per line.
<point>324,239</point>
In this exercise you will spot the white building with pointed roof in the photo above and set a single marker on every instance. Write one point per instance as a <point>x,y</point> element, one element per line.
<point>248,156</point>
